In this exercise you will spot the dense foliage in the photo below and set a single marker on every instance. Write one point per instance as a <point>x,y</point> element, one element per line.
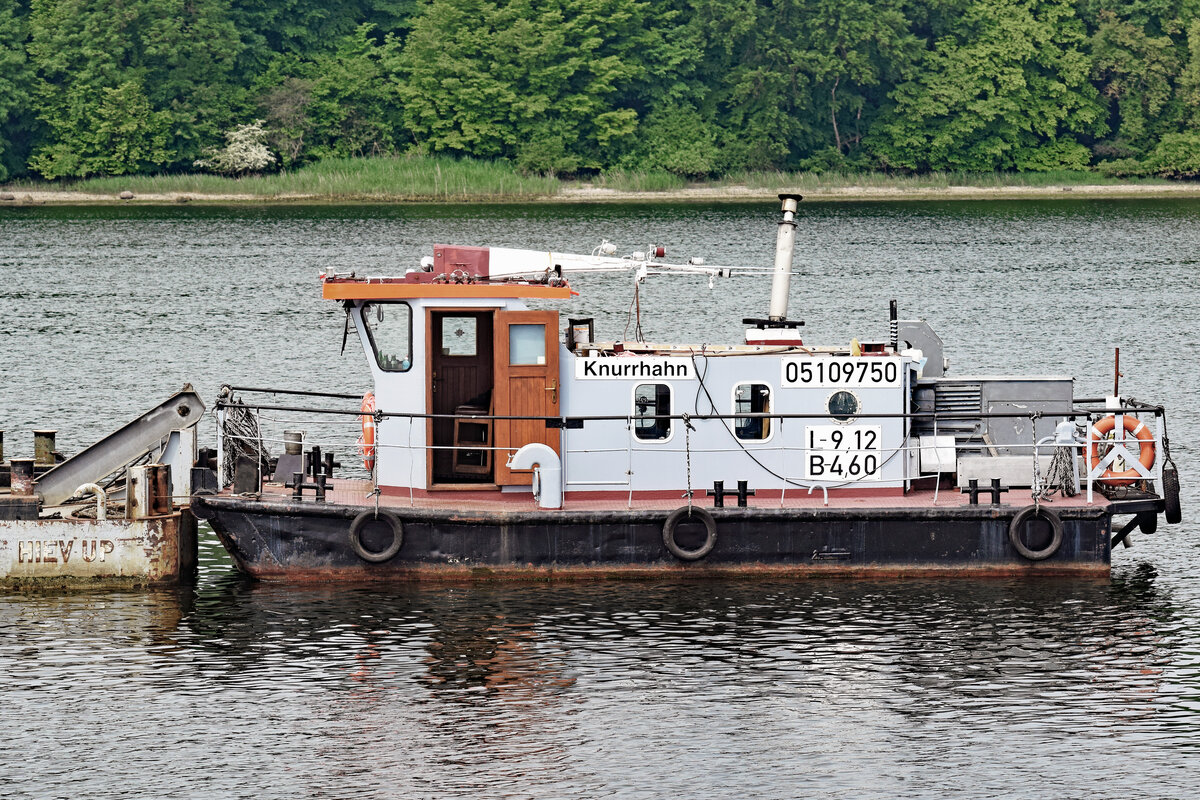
<point>691,87</point>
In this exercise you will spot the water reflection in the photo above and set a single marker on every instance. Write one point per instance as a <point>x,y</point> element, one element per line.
<point>561,684</point>
<point>718,689</point>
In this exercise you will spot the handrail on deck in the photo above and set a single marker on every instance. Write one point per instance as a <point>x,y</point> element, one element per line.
<point>1073,413</point>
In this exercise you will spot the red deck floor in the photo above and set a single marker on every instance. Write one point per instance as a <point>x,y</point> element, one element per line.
<point>357,492</point>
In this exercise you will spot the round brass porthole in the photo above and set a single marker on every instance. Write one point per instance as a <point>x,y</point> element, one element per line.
<point>843,405</point>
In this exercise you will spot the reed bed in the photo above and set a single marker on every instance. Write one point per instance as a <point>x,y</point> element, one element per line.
<point>401,178</point>
<point>445,179</point>
<point>833,180</point>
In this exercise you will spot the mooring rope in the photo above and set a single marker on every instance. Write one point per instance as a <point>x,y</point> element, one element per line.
<point>687,444</point>
<point>241,436</point>
<point>1060,475</point>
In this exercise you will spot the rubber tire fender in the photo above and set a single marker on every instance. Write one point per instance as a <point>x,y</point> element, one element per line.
<point>360,522</point>
<point>1147,522</point>
<point>200,510</point>
<point>1170,487</point>
<point>672,522</point>
<point>1018,522</point>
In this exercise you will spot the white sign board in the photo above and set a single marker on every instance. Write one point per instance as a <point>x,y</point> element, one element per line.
<point>634,368</point>
<point>801,372</point>
<point>843,453</point>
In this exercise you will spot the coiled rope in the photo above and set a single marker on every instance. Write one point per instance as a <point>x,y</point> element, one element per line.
<point>241,435</point>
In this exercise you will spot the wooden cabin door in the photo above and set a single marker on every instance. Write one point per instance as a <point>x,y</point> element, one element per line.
<point>526,384</point>
<point>459,382</point>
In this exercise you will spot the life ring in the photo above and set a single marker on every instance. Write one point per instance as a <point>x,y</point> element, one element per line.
<point>1145,439</point>
<point>1017,526</point>
<point>367,517</point>
<point>672,522</point>
<point>366,440</point>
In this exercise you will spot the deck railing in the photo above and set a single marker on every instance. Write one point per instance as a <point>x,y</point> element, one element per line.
<point>1111,451</point>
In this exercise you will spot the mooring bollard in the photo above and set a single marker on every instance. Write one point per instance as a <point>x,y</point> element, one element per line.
<point>22,477</point>
<point>293,442</point>
<point>43,447</point>
<point>1,447</point>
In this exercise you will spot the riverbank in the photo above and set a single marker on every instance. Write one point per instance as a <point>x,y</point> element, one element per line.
<point>443,180</point>
<point>593,194</point>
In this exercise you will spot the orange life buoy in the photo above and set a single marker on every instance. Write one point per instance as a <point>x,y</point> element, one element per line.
<point>1145,440</point>
<point>366,442</point>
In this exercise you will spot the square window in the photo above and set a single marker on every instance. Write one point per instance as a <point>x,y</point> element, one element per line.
<point>526,345</point>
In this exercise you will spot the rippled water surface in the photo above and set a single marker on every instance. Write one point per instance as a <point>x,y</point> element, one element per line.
<point>1048,688</point>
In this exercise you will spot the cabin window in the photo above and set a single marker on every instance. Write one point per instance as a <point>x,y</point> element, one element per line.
<point>651,400</point>
<point>526,345</point>
<point>459,336</point>
<point>389,327</point>
<point>752,398</point>
<point>842,406</point>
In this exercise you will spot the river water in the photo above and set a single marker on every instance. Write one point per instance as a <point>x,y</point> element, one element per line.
<point>998,688</point>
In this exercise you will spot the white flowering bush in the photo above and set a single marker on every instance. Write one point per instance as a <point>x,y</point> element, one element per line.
<point>245,152</point>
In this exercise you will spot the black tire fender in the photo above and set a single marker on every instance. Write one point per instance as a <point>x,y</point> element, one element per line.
<point>200,509</point>
<point>1170,488</point>
<point>672,523</point>
<point>1147,521</point>
<point>388,553</point>
<point>1018,523</point>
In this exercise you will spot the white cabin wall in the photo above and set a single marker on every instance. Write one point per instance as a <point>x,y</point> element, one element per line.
<point>402,457</point>
<point>605,456</point>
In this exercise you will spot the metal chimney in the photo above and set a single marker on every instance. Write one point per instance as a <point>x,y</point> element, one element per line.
<point>785,243</point>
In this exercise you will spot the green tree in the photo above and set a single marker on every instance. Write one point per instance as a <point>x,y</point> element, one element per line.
<point>15,79</point>
<point>538,81</point>
<point>93,57</point>
<point>760,91</point>
<point>120,135</point>
<point>676,138</point>
<point>856,48</point>
<point>1004,85</point>
<point>1187,86</point>
<point>786,80</point>
<point>337,103</point>
<point>1136,62</point>
<point>306,28</point>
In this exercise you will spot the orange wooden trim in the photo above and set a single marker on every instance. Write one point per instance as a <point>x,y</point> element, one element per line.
<point>503,372</point>
<point>451,291</point>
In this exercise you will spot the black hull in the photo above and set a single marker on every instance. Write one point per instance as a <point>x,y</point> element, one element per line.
<point>311,541</point>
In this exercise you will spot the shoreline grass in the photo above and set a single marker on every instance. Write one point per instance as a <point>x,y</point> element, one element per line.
<point>444,179</point>
<point>427,178</point>
<point>934,180</point>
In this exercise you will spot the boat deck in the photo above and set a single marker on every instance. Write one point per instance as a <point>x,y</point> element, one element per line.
<point>358,492</point>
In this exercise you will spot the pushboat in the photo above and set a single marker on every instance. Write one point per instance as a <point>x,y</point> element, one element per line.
<point>502,441</point>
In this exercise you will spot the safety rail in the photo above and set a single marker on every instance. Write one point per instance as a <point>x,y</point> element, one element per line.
<point>1111,452</point>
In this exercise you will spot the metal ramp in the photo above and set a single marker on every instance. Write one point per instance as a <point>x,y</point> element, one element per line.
<point>166,434</point>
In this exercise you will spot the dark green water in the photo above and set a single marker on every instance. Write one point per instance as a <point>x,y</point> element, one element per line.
<point>730,689</point>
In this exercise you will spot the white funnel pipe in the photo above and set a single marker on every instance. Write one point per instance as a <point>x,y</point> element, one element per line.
<point>785,244</point>
<point>547,472</point>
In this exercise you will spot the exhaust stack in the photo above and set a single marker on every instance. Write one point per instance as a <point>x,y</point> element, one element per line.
<point>785,244</point>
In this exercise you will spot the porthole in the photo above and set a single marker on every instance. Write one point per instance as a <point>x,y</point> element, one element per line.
<point>842,405</point>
